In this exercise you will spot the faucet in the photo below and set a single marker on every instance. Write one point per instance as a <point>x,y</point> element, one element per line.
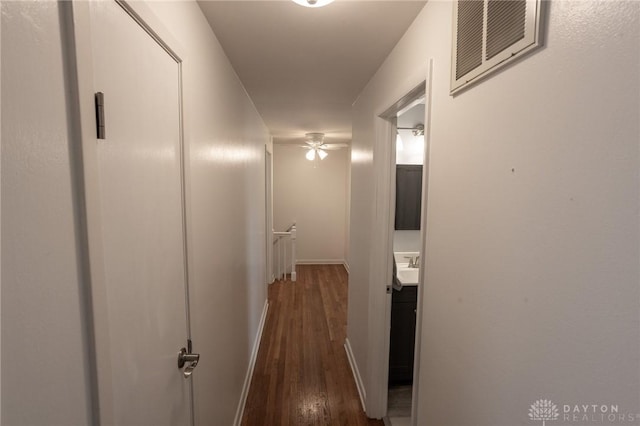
<point>413,261</point>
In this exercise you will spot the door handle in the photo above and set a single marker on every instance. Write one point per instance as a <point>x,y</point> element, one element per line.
<point>184,358</point>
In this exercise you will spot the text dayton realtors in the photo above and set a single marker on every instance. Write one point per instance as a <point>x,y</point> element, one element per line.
<point>596,413</point>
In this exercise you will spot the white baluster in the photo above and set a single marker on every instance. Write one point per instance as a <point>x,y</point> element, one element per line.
<point>293,253</point>
<point>284,259</point>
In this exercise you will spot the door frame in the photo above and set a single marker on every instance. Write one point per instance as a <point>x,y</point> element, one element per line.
<point>380,265</point>
<point>81,94</point>
<point>268,160</point>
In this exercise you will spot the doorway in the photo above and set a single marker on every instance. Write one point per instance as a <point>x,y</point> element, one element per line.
<point>382,255</point>
<point>409,169</point>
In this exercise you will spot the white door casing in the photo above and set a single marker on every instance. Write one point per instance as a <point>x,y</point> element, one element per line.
<point>269,214</point>
<point>135,208</point>
<point>380,265</point>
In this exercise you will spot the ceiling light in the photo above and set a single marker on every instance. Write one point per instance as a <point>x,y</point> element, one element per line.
<point>314,138</point>
<point>313,3</point>
<point>311,154</point>
<point>314,144</point>
<point>418,130</point>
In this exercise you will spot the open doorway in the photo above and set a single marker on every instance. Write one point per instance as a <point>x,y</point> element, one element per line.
<point>408,169</point>
<point>381,364</point>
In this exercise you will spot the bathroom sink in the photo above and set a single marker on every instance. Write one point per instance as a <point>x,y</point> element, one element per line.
<point>407,276</point>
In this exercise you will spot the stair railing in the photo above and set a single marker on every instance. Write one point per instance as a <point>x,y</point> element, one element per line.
<point>280,242</point>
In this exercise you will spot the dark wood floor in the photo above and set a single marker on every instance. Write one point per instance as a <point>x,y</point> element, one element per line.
<point>302,375</point>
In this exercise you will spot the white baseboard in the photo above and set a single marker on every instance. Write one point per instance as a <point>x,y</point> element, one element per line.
<point>356,374</point>
<point>320,262</point>
<point>252,364</point>
<point>346,266</point>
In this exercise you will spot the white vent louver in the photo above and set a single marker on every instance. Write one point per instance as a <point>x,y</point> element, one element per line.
<point>489,34</point>
<point>469,36</point>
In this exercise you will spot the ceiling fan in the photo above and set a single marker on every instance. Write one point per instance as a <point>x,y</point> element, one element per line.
<point>316,146</point>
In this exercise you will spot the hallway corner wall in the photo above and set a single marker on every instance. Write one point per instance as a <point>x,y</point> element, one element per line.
<point>533,245</point>
<point>45,367</point>
<point>314,195</point>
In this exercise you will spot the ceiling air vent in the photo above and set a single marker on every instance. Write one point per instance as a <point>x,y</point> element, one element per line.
<point>489,34</point>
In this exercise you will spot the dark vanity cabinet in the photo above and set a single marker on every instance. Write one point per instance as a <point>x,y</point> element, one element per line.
<point>403,332</point>
<point>408,197</point>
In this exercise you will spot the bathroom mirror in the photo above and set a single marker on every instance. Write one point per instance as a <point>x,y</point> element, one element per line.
<point>408,196</point>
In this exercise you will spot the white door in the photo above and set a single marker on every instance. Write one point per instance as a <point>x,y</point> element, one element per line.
<point>141,217</point>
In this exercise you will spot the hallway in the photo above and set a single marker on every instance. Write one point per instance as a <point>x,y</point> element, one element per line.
<point>302,375</point>
<point>530,243</point>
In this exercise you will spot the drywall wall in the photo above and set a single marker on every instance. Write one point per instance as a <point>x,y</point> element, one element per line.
<point>410,147</point>
<point>406,241</point>
<point>532,262</point>
<point>314,195</point>
<point>226,140</point>
<point>0,225</point>
<point>45,369</point>
<point>45,376</point>
<point>347,213</point>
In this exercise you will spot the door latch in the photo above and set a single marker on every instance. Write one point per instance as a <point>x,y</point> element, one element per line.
<point>189,359</point>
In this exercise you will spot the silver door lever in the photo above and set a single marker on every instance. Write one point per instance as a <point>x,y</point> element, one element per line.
<point>184,358</point>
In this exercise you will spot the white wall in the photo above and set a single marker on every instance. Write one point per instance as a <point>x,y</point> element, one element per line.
<point>411,148</point>
<point>226,141</point>
<point>532,263</point>
<point>44,361</point>
<point>45,368</point>
<point>406,241</point>
<point>314,195</point>
<point>347,213</point>
<point>0,225</point>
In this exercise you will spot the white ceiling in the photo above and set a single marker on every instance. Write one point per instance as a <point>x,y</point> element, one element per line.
<point>304,67</point>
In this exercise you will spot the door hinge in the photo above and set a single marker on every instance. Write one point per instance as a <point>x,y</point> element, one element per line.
<point>100,125</point>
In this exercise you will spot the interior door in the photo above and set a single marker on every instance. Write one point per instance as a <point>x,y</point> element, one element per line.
<point>142,218</point>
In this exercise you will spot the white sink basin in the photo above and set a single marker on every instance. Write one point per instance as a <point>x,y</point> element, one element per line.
<point>407,276</point>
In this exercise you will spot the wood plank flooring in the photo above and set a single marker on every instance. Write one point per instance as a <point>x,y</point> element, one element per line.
<point>302,375</point>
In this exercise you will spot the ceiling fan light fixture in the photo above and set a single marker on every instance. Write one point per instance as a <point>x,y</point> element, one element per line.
<point>311,154</point>
<point>313,3</point>
<point>316,146</point>
<point>317,138</point>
